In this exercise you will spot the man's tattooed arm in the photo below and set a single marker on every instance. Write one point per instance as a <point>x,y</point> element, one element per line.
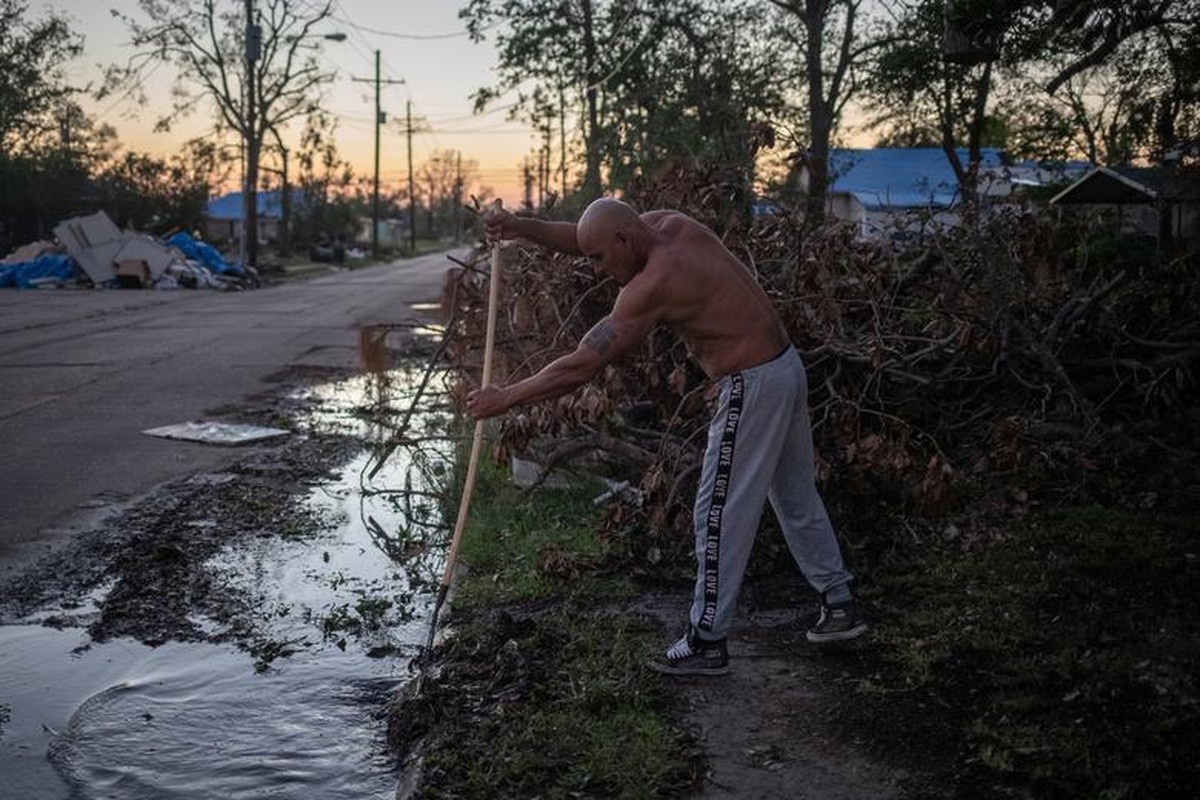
<point>601,337</point>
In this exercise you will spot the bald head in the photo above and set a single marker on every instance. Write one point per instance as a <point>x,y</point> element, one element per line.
<point>604,218</point>
<point>615,238</point>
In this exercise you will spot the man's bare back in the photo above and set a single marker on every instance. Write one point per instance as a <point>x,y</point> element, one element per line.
<point>672,271</point>
<point>708,297</point>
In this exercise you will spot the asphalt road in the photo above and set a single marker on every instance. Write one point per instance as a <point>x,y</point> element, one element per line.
<point>82,373</point>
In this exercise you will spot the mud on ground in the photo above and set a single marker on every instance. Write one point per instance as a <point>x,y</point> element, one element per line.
<point>138,568</point>
<point>773,727</point>
<point>785,723</point>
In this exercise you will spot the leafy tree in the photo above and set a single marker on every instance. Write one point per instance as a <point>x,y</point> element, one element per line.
<point>914,86</point>
<point>333,200</point>
<point>32,53</point>
<point>38,174</point>
<point>650,84</point>
<point>551,45</point>
<point>156,195</point>
<point>444,177</point>
<point>693,95</point>
<point>254,63</point>
<point>1149,50</point>
<point>1092,31</point>
<point>1102,114</point>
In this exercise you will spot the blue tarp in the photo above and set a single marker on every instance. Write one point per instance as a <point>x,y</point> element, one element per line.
<point>205,253</point>
<point>23,275</point>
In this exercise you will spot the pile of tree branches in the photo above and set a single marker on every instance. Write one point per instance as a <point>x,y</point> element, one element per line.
<point>1010,358</point>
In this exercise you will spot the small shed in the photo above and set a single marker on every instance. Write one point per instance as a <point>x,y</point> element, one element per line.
<point>1157,201</point>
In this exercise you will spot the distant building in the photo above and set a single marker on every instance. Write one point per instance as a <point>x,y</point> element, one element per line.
<point>898,192</point>
<point>223,217</point>
<point>392,232</point>
<point>1154,201</point>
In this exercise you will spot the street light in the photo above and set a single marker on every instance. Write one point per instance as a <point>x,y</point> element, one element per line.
<point>333,37</point>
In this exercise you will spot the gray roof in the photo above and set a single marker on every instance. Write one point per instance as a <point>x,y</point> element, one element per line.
<point>1114,185</point>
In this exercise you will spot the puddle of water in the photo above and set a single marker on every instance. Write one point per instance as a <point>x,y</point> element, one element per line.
<point>373,406</point>
<point>433,331</point>
<point>338,616</point>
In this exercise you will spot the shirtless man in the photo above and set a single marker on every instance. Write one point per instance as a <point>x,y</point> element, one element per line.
<point>674,271</point>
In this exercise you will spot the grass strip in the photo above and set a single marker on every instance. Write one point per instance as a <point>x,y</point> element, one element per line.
<point>542,689</point>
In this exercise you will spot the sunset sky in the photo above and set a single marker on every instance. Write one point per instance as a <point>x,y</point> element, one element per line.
<point>421,41</point>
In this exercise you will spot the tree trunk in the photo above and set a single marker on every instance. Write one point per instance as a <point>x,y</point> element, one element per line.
<point>820,115</point>
<point>285,209</point>
<point>591,175</point>
<point>252,131</point>
<point>250,199</point>
<point>429,211</point>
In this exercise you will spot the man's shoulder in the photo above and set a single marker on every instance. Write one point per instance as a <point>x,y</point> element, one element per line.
<point>662,216</point>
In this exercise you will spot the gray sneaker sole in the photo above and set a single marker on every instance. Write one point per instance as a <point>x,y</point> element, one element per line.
<point>837,636</point>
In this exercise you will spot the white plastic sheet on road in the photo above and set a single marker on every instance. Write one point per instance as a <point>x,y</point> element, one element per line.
<point>216,432</point>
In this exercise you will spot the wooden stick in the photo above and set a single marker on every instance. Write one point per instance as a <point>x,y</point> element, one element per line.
<point>464,502</point>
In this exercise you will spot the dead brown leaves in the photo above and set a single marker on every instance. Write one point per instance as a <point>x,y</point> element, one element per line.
<point>933,371</point>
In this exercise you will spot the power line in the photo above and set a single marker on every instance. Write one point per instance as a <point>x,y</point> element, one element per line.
<point>357,31</point>
<point>475,116</point>
<point>395,35</point>
<point>477,133</point>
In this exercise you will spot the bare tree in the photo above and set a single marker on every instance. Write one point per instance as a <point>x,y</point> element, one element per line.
<point>255,62</point>
<point>1104,114</point>
<point>831,43</point>
<point>445,177</point>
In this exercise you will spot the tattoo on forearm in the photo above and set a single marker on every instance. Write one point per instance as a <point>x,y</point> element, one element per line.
<point>600,337</point>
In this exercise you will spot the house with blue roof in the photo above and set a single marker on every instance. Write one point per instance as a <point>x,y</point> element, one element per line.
<point>884,191</point>
<point>223,216</point>
<point>895,192</point>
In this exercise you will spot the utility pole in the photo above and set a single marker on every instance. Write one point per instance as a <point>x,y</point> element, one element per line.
<point>380,118</point>
<point>412,189</point>
<point>527,177</point>
<point>250,135</point>
<point>549,148</point>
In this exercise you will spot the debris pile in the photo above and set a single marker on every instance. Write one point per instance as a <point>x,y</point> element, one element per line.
<point>93,251</point>
<point>996,363</point>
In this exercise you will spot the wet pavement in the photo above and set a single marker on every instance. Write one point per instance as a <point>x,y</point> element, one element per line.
<point>84,372</point>
<point>213,642</point>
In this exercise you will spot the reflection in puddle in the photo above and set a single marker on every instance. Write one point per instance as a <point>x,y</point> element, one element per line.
<point>284,704</point>
<point>432,331</point>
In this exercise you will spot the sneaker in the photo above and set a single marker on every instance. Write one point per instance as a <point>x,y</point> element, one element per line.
<point>691,655</point>
<point>837,623</point>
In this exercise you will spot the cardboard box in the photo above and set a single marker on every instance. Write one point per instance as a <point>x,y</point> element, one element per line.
<point>133,274</point>
<point>139,248</point>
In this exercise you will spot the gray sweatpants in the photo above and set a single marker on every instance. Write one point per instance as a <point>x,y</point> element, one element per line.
<point>760,447</point>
